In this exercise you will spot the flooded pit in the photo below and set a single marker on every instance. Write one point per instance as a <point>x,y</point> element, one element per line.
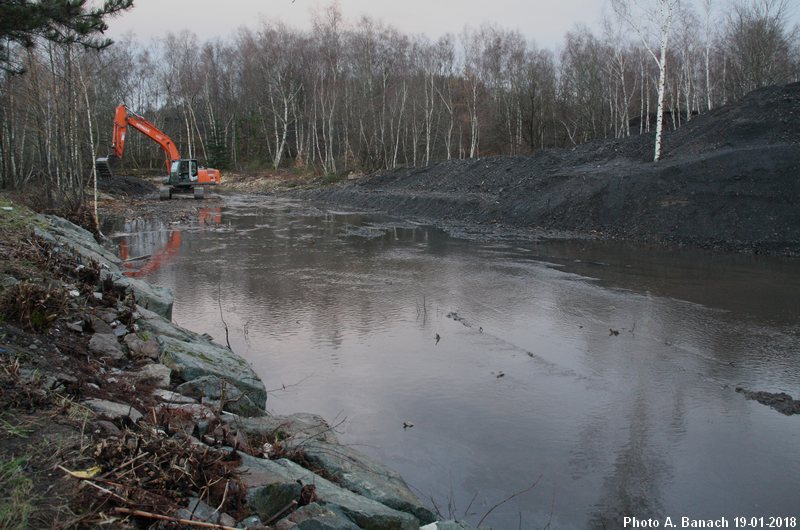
<point>602,373</point>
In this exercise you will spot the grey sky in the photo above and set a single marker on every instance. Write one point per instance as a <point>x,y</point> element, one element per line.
<point>545,21</point>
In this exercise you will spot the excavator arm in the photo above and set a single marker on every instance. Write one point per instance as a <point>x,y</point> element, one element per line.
<point>124,117</point>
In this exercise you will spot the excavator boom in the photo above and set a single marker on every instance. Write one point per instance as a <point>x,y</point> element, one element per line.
<point>124,117</point>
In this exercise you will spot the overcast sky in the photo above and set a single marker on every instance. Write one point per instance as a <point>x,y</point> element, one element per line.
<point>545,21</point>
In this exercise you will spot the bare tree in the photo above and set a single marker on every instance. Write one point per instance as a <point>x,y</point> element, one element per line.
<point>366,96</point>
<point>758,45</point>
<point>708,8</point>
<point>583,84</point>
<point>641,15</point>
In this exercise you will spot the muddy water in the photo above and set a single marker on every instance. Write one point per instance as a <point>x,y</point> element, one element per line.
<point>527,383</point>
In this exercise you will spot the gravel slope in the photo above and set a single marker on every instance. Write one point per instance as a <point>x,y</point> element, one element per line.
<point>729,179</point>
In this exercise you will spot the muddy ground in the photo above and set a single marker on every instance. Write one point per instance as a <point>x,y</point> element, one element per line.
<point>728,180</point>
<point>135,197</point>
<point>131,197</point>
<point>781,401</point>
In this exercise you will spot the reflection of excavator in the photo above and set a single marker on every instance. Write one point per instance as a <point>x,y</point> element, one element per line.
<point>150,263</point>
<point>154,262</point>
<point>184,174</point>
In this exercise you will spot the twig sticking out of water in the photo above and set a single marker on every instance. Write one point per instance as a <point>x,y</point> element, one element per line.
<point>552,508</point>
<point>219,304</point>
<point>246,331</point>
<point>422,311</point>
<point>285,387</point>
<point>517,494</point>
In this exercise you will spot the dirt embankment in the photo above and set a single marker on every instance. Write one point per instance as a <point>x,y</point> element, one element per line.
<point>728,179</point>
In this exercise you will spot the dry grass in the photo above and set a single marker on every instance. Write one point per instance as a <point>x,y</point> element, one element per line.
<point>269,181</point>
<point>32,305</point>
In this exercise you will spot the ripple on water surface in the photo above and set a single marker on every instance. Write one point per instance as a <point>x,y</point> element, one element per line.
<point>604,372</point>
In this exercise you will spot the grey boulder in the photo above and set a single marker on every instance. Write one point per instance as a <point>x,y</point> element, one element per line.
<point>261,475</point>
<point>79,240</point>
<point>365,476</point>
<point>212,390</point>
<point>140,348</point>
<point>294,427</point>
<point>106,345</point>
<point>192,360</point>
<point>316,517</point>
<point>112,410</point>
<point>152,297</point>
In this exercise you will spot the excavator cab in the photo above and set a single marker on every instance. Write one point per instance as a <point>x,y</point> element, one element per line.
<point>184,175</point>
<point>183,172</point>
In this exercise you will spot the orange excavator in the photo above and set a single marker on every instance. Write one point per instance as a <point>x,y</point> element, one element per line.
<point>183,174</point>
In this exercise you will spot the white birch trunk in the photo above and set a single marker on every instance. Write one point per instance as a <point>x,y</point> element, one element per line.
<point>473,146</point>
<point>91,146</point>
<point>708,7</point>
<point>665,12</point>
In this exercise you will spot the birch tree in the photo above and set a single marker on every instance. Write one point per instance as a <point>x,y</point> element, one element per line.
<point>641,15</point>
<point>708,7</point>
<point>618,71</point>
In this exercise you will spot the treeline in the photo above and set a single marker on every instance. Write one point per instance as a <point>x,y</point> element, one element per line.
<point>363,96</point>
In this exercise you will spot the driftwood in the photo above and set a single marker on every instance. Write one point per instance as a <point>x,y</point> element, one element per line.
<point>148,515</point>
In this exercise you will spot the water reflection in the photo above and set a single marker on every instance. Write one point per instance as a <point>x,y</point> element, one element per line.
<point>644,423</point>
<point>147,245</point>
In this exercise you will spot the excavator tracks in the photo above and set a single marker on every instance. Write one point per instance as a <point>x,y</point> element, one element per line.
<point>103,167</point>
<point>165,192</point>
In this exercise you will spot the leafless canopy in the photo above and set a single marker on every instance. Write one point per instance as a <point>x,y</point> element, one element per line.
<point>361,95</point>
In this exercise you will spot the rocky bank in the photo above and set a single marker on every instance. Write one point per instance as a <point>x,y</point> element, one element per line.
<point>173,425</point>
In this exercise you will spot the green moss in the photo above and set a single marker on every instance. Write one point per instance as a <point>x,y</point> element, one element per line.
<point>206,359</point>
<point>280,435</point>
<point>18,217</point>
<point>38,319</point>
<point>199,355</point>
<point>15,492</point>
<point>175,352</point>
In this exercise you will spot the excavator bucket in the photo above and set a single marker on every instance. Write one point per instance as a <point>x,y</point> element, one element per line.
<point>103,167</point>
